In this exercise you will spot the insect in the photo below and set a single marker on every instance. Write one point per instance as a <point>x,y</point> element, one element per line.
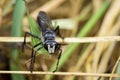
<point>47,39</point>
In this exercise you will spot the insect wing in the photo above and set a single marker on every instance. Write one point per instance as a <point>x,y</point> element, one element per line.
<point>44,21</point>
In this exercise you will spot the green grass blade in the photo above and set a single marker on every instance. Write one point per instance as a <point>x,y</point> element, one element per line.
<point>33,27</point>
<point>89,25</point>
<point>16,30</point>
<point>35,31</point>
<point>118,71</point>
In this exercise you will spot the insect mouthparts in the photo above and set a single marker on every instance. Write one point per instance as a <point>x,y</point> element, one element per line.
<point>51,48</point>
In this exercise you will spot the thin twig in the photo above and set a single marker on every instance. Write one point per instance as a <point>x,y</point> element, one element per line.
<point>114,68</point>
<point>66,40</point>
<point>61,73</point>
<point>13,39</point>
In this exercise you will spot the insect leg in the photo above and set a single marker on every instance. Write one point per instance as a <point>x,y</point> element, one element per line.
<point>24,43</point>
<point>58,60</point>
<point>57,30</point>
<point>33,54</point>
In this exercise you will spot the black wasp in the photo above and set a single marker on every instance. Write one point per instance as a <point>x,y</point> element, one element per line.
<point>47,38</point>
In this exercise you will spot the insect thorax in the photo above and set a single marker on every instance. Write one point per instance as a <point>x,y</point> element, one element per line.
<point>48,35</point>
<point>48,39</point>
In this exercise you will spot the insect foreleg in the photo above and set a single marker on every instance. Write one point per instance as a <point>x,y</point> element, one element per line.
<point>58,60</point>
<point>24,43</point>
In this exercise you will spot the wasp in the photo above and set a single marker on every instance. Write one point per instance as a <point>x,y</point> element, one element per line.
<point>47,39</point>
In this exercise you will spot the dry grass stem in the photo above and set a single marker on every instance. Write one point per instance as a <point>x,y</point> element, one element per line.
<point>114,68</point>
<point>47,7</point>
<point>113,31</point>
<point>111,17</point>
<point>97,4</point>
<point>75,12</point>
<point>0,16</point>
<point>104,31</point>
<point>106,57</point>
<point>13,39</point>
<point>80,62</point>
<point>61,73</point>
<point>66,40</point>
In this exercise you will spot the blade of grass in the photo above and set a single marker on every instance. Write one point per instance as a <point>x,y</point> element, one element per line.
<point>34,30</point>
<point>16,30</point>
<point>118,70</point>
<point>89,25</point>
